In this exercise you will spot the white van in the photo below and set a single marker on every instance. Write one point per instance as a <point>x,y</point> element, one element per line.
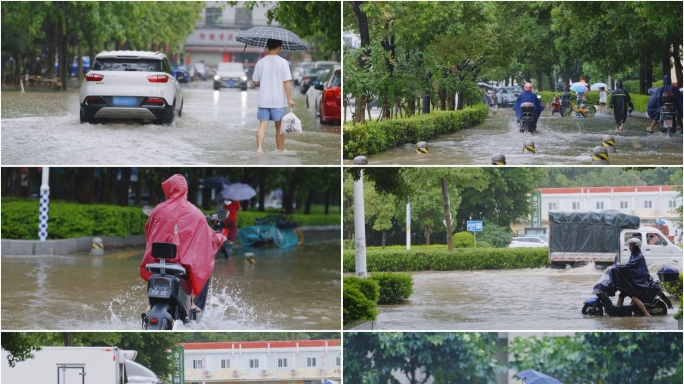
<point>655,246</point>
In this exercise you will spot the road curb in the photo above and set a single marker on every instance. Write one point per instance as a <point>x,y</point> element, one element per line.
<point>64,246</point>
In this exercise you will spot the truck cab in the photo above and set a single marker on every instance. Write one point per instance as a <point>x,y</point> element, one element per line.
<point>655,246</point>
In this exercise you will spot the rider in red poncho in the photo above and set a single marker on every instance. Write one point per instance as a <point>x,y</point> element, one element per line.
<point>177,221</point>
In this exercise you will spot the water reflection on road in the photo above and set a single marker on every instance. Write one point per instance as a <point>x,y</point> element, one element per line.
<point>527,299</point>
<point>296,288</point>
<point>217,127</point>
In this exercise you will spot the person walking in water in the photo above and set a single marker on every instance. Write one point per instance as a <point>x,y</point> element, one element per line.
<point>272,75</point>
<point>619,100</point>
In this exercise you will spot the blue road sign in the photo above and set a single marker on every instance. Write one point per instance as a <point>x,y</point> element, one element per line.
<point>474,226</point>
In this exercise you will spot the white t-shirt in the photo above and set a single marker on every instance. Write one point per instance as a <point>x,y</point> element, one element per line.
<point>271,72</point>
<point>602,97</point>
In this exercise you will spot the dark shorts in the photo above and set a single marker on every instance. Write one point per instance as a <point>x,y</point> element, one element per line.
<point>272,114</point>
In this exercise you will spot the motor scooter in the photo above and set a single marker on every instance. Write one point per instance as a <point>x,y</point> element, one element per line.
<point>668,114</point>
<point>527,118</point>
<point>217,225</point>
<point>655,301</point>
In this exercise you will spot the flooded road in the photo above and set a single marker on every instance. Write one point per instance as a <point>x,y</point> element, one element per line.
<point>217,127</point>
<point>526,299</point>
<point>296,288</point>
<point>559,140</point>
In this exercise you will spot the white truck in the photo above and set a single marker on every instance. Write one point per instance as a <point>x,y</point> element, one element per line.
<point>78,365</point>
<point>582,237</point>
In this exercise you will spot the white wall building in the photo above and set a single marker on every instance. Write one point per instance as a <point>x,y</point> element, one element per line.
<point>650,203</point>
<point>260,362</point>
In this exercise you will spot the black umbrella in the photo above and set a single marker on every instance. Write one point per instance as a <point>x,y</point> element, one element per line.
<point>258,36</point>
<point>215,183</point>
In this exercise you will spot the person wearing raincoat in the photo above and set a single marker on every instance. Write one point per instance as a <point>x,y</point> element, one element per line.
<point>655,103</point>
<point>632,279</point>
<point>619,101</point>
<point>528,97</point>
<point>179,222</point>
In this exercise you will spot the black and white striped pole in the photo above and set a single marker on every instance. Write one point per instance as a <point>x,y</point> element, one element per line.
<point>44,205</point>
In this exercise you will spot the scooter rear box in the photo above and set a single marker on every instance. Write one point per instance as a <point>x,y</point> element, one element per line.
<point>668,276</point>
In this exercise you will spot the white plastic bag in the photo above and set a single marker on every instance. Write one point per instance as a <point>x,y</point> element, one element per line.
<point>291,124</point>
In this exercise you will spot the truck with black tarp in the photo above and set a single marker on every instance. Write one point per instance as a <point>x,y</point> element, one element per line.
<point>577,237</point>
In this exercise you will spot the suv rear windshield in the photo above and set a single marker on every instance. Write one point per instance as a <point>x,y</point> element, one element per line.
<point>117,64</point>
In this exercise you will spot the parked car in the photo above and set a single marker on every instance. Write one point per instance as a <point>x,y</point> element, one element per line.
<point>508,95</point>
<point>326,64</point>
<point>298,72</point>
<point>310,77</point>
<point>534,242</point>
<point>131,84</point>
<point>230,75</point>
<point>329,105</point>
<point>181,68</point>
<point>313,95</point>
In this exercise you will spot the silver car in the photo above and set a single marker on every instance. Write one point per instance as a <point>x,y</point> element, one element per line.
<point>133,85</point>
<point>534,242</point>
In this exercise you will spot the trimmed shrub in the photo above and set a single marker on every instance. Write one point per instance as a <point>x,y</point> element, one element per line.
<point>484,244</point>
<point>369,287</point>
<point>640,101</point>
<point>356,306</point>
<point>394,287</point>
<point>394,260</point>
<point>246,218</point>
<point>675,288</point>
<point>463,240</point>
<point>375,137</point>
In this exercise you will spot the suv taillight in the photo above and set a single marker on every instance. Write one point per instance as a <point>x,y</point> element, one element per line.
<point>154,101</point>
<point>158,78</point>
<point>94,77</point>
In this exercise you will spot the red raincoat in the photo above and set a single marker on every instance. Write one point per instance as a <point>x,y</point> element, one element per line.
<point>195,240</point>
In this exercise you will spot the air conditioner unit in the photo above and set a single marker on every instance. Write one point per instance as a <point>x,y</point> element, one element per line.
<point>322,371</point>
<point>208,373</point>
<point>264,372</point>
<point>293,371</point>
<point>236,372</point>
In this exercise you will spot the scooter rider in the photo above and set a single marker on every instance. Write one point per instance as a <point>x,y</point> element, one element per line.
<point>528,97</point>
<point>179,222</point>
<point>632,279</point>
<point>655,103</point>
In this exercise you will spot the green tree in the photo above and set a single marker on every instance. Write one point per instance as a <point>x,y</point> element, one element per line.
<point>379,209</point>
<point>446,357</point>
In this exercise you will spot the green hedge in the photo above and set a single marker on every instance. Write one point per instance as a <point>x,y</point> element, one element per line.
<point>394,287</point>
<point>369,287</point>
<point>675,288</point>
<point>394,260</point>
<point>640,101</point>
<point>356,306</point>
<point>68,220</point>
<point>246,218</point>
<point>375,137</point>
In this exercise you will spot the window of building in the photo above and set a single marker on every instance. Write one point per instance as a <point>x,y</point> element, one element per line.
<point>599,205</point>
<point>338,360</point>
<point>225,363</point>
<point>243,17</point>
<point>197,364</point>
<point>282,363</point>
<point>648,204</point>
<point>672,203</point>
<point>624,205</point>
<point>212,17</point>
<point>254,363</point>
<point>310,361</point>
<point>552,206</point>
<point>575,205</point>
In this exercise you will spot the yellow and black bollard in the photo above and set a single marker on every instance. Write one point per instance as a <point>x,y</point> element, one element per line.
<point>97,249</point>
<point>529,147</point>
<point>498,159</point>
<point>609,143</point>
<point>600,156</point>
<point>360,160</point>
<point>249,257</point>
<point>421,147</point>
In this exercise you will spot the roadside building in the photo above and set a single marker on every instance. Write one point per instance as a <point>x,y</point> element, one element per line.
<point>260,362</point>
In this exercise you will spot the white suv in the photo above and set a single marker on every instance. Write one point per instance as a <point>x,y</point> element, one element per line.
<point>535,242</point>
<point>131,84</point>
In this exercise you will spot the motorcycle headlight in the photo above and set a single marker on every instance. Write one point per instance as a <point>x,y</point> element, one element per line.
<point>217,78</point>
<point>243,78</point>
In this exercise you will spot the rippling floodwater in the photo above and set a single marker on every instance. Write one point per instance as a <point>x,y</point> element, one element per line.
<point>217,127</point>
<point>526,299</point>
<point>559,140</point>
<point>296,288</point>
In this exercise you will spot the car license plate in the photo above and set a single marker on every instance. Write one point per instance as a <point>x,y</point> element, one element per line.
<point>126,101</point>
<point>160,293</point>
<point>230,83</point>
<point>667,123</point>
